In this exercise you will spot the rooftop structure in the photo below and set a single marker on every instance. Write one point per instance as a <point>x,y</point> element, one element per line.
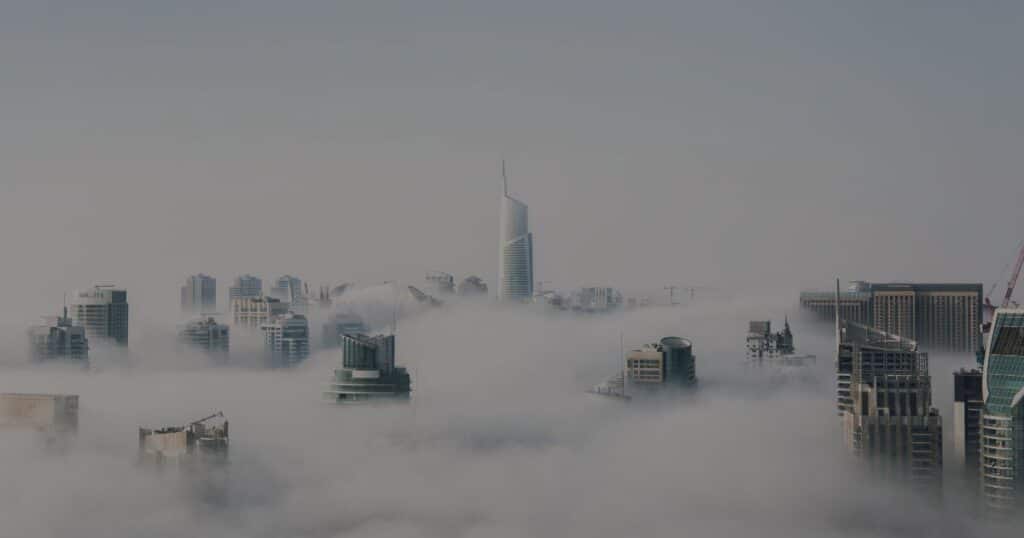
<point>103,311</point>
<point>368,371</point>
<point>423,298</point>
<point>199,294</point>
<point>198,443</point>
<point>59,338</point>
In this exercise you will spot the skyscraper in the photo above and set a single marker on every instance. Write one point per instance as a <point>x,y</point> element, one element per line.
<point>884,398</point>
<point>199,294</point>
<point>245,287</point>
<point>103,311</point>
<point>1002,420</point>
<point>287,339</point>
<point>968,404</point>
<point>289,290</point>
<point>368,370</point>
<point>206,334</point>
<point>668,362</point>
<point>59,339</point>
<point>515,264</point>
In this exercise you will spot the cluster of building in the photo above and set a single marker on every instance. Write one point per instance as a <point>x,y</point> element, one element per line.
<point>663,366</point>
<point>98,313</point>
<point>937,316</point>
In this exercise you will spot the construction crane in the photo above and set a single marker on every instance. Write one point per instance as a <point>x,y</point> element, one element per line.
<point>1008,296</point>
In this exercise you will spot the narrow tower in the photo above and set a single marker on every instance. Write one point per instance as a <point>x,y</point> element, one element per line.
<point>515,263</point>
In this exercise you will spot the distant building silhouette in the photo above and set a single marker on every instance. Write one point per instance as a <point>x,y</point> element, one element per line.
<point>59,338</point>
<point>287,339</point>
<point>199,294</point>
<point>245,287</point>
<point>207,335</point>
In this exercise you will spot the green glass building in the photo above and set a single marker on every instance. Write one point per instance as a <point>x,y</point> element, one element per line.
<point>1002,425</point>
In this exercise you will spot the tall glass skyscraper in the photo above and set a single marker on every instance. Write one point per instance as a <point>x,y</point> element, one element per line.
<point>1002,421</point>
<point>515,264</point>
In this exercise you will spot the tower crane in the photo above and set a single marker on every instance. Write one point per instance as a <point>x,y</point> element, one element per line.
<point>1007,298</point>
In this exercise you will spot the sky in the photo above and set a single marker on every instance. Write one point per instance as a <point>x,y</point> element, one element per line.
<point>747,148</point>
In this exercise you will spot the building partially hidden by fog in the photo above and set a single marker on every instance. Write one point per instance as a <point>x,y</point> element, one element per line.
<point>666,363</point>
<point>885,401</point>
<point>193,445</point>
<point>1002,421</point>
<point>59,338</point>
<point>51,414</point>
<point>103,311</point>
<point>592,299</point>
<point>472,285</point>
<point>341,323</point>
<point>288,289</point>
<point>255,311</point>
<point>199,294</point>
<point>937,316</point>
<point>968,405</point>
<point>207,335</point>
<point>245,287</point>
<point>286,338</point>
<point>515,263</point>
<point>368,371</point>
<point>440,282</point>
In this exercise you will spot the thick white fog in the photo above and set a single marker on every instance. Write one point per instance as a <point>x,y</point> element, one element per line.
<point>499,439</point>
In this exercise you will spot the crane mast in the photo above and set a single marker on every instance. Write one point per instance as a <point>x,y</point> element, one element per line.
<point>1013,278</point>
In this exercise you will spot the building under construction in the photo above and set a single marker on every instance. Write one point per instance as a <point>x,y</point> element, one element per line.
<point>197,443</point>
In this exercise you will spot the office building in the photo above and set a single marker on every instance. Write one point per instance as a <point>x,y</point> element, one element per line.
<point>942,317</point>
<point>289,290</point>
<point>207,335</point>
<point>440,282</point>
<point>341,323</point>
<point>59,338</point>
<point>968,404</point>
<point>593,299</point>
<point>368,371</point>
<point>1002,420</point>
<point>199,294</point>
<point>103,311</point>
<point>286,338</point>
<point>255,311</point>
<point>245,287</point>
<point>472,285</point>
<point>515,263</point>
<point>666,363</point>
<point>884,398</point>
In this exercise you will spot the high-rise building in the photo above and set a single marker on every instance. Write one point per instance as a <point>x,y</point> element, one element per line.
<point>341,323</point>
<point>668,362</point>
<point>255,311</point>
<point>1002,420</point>
<point>199,294</point>
<point>287,339</point>
<point>245,287</point>
<point>884,398</point>
<point>206,334</point>
<point>968,403</point>
<point>515,264</point>
<point>368,371</point>
<point>103,311</point>
<point>289,290</point>
<point>938,316</point>
<point>59,338</point>
<point>472,285</point>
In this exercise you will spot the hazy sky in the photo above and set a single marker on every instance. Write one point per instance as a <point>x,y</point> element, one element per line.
<point>722,143</point>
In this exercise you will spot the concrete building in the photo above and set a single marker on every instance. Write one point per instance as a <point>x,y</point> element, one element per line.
<point>199,294</point>
<point>47,413</point>
<point>341,323</point>
<point>286,338</point>
<point>938,316</point>
<point>1002,420</point>
<point>515,263</point>
<point>255,311</point>
<point>472,285</point>
<point>668,362</point>
<point>59,338</point>
<point>194,445</point>
<point>245,287</point>
<point>762,342</point>
<point>968,404</point>
<point>440,282</point>
<point>368,371</point>
<point>884,398</point>
<point>103,311</point>
<point>207,335</point>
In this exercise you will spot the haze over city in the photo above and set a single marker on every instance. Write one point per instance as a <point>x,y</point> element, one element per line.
<point>737,152</point>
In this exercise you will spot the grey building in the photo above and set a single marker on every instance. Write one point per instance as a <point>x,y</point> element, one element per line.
<point>968,404</point>
<point>368,371</point>
<point>341,323</point>
<point>472,285</point>
<point>287,339</point>
<point>289,290</point>
<point>884,398</point>
<point>440,282</point>
<point>939,316</point>
<point>255,311</point>
<point>207,335</point>
<point>59,338</point>
<point>103,311</point>
<point>515,263</point>
<point>245,287</point>
<point>666,363</point>
<point>199,294</point>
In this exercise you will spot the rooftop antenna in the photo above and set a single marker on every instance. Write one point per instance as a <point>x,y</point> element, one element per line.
<point>504,178</point>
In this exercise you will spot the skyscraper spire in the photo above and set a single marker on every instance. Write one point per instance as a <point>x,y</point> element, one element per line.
<point>504,179</point>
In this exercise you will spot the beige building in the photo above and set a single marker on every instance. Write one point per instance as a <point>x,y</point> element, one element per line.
<point>255,311</point>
